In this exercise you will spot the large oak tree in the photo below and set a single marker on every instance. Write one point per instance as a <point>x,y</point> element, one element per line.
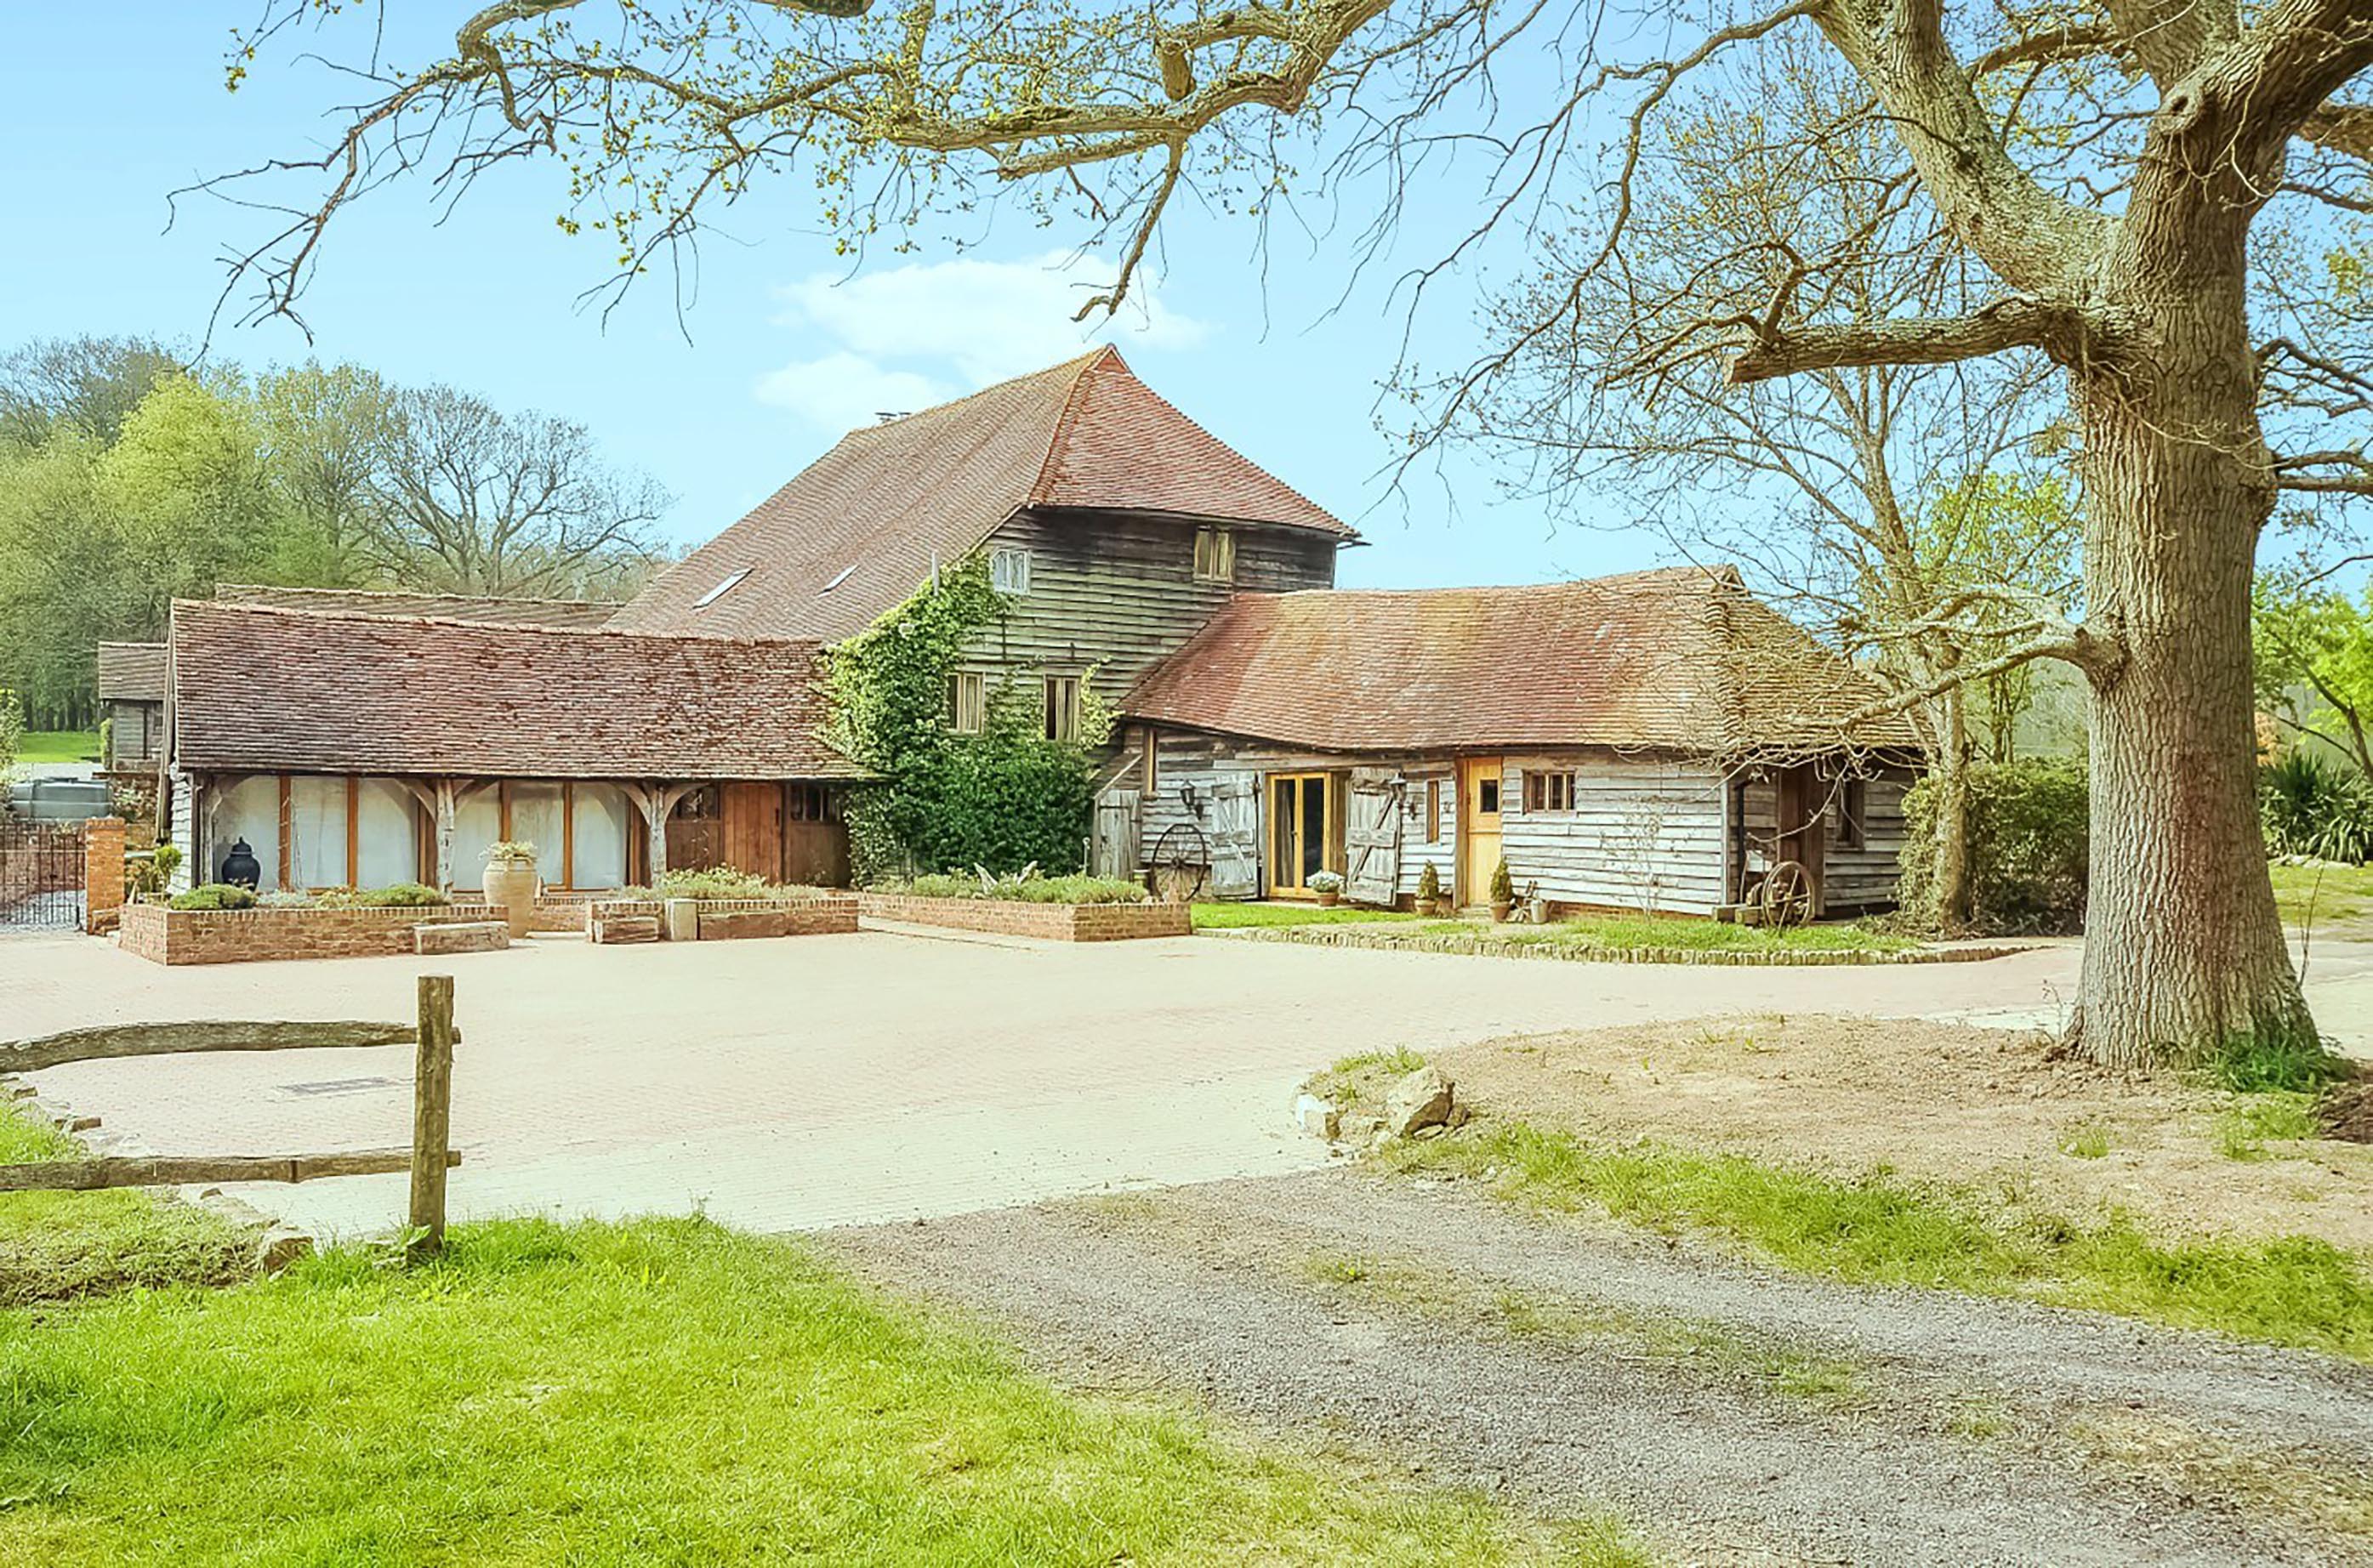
<point>2106,167</point>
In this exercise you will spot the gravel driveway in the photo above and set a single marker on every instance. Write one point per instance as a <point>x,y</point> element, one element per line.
<point>1734,1415</point>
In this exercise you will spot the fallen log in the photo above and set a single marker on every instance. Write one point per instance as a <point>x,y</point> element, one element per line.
<point>174,1170</point>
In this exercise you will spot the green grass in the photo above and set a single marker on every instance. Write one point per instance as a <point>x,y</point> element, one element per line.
<point>59,745</point>
<point>650,1393</point>
<point>1884,1230</point>
<point>2327,895</point>
<point>1632,933</point>
<point>2270,1116</point>
<point>1367,1076</point>
<point>2089,1141</point>
<point>1239,916</point>
<point>63,1245</point>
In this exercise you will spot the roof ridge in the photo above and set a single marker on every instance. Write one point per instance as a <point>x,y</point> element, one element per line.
<point>1047,371</point>
<point>1042,487</point>
<point>222,588</point>
<point>232,607</point>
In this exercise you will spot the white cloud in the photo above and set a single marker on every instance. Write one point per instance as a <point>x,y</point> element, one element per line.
<point>964,323</point>
<point>843,391</point>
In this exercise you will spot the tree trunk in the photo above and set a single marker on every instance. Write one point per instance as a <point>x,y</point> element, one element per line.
<point>2185,953</point>
<point>1953,893</point>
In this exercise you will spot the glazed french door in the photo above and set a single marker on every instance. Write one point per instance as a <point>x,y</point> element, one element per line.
<point>1301,830</point>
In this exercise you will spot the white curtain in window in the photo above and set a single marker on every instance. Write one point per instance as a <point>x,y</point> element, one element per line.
<point>388,833</point>
<point>317,832</point>
<point>477,822</point>
<point>598,853</point>
<point>536,819</point>
<point>249,809</point>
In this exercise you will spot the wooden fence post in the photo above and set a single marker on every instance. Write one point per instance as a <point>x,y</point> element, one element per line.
<point>432,1111</point>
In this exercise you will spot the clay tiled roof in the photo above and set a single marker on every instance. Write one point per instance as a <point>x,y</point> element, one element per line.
<point>301,691</point>
<point>581,613</point>
<point>1683,659</point>
<point>859,529</point>
<point>131,672</point>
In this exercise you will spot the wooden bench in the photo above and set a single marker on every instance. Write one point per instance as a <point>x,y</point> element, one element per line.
<point>462,936</point>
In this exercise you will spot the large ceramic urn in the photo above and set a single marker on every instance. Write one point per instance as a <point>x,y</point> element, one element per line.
<point>510,887</point>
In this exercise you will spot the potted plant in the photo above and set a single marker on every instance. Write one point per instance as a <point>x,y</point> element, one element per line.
<point>1328,886</point>
<point>510,884</point>
<point>1503,892</point>
<point>1429,890</point>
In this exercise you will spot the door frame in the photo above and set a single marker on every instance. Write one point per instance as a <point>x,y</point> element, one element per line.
<point>1329,857</point>
<point>1463,894</point>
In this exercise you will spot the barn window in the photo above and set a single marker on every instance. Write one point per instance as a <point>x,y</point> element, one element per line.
<point>1215,555</point>
<point>1009,571</point>
<point>1549,792</point>
<point>1433,811</point>
<point>807,803</point>
<point>1849,806</point>
<point>967,701</point>
<point>1062,708</point>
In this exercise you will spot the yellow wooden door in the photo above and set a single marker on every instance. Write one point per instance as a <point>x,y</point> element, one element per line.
<point>1479,783</point>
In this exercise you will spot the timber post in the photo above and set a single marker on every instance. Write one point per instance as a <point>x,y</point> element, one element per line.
<point>432,1112</point>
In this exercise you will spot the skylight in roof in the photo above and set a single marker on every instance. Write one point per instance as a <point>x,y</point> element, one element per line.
<point>838,578</point>
<point>720,590</point>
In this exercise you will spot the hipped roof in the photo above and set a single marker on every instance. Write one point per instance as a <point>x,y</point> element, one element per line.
<point>861,529</point>
<point>132,672</point>
<point>1682,659</point>
<point>301,691</point>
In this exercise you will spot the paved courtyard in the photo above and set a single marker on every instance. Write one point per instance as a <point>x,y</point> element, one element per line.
<point>822,1081</point>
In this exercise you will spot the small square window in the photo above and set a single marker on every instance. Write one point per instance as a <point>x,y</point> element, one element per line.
<point>1062,708</point>
<point>1487,797</point>
<point>1215,555</point>
<point>967,701</point>
<point>1009,571</point>
<point>1549,792</point>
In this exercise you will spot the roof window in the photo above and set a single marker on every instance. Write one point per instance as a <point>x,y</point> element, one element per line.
<point>838,578</point>
<point>720,590</point>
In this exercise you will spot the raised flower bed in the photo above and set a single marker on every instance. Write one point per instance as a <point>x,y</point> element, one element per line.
<point>1054,909</point>
<point>785,913</point>
<point>166,935</point>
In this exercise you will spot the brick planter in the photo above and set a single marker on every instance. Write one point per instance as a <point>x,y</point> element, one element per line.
<point>1052,923</point>
<point>625,920</point>
<point>229,937</point>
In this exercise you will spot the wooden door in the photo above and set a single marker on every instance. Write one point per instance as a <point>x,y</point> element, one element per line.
<point>753,838</point>
<point>1235,836</point>
<point>1801,823</point>
<point>1115,837</point>
<point>1301,832</point>
<point>1372,839</point>
<point>1480,780</point>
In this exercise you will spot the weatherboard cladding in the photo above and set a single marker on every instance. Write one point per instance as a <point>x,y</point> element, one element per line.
<point>301,690</point>
<point>857,531</point>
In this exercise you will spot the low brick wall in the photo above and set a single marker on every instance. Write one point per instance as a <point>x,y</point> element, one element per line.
<point>165,935</point>
<point>727,918</point>
<point>1053,922</point>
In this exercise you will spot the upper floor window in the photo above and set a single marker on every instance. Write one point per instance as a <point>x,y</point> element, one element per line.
<point>967,701</point>
<point>1215,555</point>
<point>1062,708</point>
<point>1549,792</point>
<point>1009,571</point>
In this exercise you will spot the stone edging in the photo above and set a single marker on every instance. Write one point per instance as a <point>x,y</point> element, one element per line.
<point>1017,917</point>
<point>1479,947</point>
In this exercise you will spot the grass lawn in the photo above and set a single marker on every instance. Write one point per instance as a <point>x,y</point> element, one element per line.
<point>665,1391</point>
<point>2330,896</point>
<point>1239,917</point>
<point>59,745</point>
<point>1882,1229</point>
<point>1612,933</point>
<point>61,1246</point>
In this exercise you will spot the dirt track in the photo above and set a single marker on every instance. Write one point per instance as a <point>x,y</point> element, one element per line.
<point>1734,1415</point>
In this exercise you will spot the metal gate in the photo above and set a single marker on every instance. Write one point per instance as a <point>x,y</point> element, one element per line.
<point>40,877</point>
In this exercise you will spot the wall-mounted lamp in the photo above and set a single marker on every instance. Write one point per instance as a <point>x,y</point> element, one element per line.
<point>1189,797</point>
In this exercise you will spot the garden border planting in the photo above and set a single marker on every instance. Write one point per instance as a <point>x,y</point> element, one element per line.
<point>1016,917</point>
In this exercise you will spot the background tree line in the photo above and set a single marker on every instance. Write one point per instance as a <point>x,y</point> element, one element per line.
<point>130,477</point>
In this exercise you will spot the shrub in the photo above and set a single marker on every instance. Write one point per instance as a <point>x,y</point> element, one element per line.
<point>2029,837</point>
<point>145,876</point>
<point>1325,881</point>
<point>1028,889</point>
<point>214,895</point>
<point>1429,884</point>
<point>2310,806</point>
<point>510,851</point>
<point>1503,884</point>
<point>712,882</point>
<point>398,895</point>
<point>286,899</point>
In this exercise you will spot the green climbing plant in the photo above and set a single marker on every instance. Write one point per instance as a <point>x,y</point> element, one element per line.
<point>1002,799</point>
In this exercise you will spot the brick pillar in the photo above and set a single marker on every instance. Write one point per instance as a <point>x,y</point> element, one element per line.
<point>102,874</point>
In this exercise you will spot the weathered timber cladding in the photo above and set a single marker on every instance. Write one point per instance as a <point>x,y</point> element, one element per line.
<point>1852,878</point>
<point>1118,593</point>
<point>1639,835</point>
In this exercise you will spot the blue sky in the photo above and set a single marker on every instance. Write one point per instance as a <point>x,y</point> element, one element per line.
<point>105,109</point>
